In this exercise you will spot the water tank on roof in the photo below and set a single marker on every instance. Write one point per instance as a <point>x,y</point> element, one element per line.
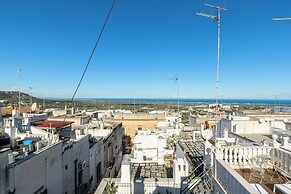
<point>27,142</point>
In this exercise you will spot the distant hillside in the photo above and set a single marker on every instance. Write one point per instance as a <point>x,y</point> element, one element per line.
<point>11,98</point>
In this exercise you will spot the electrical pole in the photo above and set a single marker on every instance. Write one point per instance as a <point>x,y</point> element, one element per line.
<point>218,19</point>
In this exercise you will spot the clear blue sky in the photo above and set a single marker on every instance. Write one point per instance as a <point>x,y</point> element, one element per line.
<point>145,43</point>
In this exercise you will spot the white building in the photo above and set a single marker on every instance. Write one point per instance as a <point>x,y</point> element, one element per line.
<point>70,166</point>
<point>53,165</point>
<point>96,154</point>
<point>29,118</point>
<point>128,184</point>
<point>230,164</point>
<point>244,125</point>
<point>151,147</point>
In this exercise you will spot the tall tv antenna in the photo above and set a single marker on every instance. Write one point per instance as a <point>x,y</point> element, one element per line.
<point>18,72</point>
<point>176,79</point>
<point>30,89</point>
<point>218,19</point>
<point>43,104</point>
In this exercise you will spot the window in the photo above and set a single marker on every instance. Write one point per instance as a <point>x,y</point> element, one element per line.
<point>184,167</point>
<point>66,167</point>
<point>98,169</point>
<point>139,127</point>
<point>179,167</point>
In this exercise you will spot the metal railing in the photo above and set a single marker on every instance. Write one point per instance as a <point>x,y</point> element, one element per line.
<point>200,181</point>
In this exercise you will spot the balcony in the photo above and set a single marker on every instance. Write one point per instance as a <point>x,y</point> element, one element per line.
<point>251,169</point>
<point>229,181</point>
<point>245,156</point>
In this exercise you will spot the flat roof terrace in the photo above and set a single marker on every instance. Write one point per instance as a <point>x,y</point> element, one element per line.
<point>193,152</point>
<point>266,178</point>
<point>150,170</point>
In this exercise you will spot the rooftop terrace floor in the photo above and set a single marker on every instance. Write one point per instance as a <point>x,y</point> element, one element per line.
<point>266,178</point>
<point>150,170</point>
<point>193,152</point>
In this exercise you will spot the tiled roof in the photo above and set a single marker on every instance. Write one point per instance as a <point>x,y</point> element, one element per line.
<point>51,124</point>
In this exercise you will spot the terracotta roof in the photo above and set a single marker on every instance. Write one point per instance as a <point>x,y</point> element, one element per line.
<point>8,111</point>
<point>51,124</point>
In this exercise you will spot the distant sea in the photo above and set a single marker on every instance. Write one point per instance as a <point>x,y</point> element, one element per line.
<point>202,101</point>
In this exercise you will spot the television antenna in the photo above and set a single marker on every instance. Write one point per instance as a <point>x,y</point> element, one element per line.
<point>30,89</point>
<point>176,79</point>
<point>18,73</point>
<point>218,19</point>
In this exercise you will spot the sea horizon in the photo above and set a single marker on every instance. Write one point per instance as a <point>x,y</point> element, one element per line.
<point>198,100</point>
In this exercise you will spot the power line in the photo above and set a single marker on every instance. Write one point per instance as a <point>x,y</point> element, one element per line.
<point>92,53</point>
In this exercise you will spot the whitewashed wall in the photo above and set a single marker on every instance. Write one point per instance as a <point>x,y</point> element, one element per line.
<point>76,152</point>
<point>40,171</point>
<point>96,156</point>
<point>246,126</point>
<point>3,171</point>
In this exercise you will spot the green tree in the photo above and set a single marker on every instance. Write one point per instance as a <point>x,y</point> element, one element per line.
<point>111,188</point>
<point>171,140</point>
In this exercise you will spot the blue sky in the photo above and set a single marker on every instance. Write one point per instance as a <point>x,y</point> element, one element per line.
<point>145,43</point>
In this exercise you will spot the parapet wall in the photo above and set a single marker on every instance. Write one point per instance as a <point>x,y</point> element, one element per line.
<point>139,116</point>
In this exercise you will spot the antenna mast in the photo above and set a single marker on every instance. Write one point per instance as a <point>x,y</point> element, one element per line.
<point>18,71</point>
<point>176,79</point>
<point>30,88</point>
<point>218,19</point>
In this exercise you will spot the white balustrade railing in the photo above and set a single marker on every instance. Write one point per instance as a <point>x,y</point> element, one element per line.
<point>282,160</point>
<point>244,156</point>
<point>264,156</point>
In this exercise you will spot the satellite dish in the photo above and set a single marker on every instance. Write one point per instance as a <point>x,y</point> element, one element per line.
<point>34,106</point>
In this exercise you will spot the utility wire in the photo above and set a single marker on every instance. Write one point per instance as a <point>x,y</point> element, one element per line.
<point>92,53</point>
